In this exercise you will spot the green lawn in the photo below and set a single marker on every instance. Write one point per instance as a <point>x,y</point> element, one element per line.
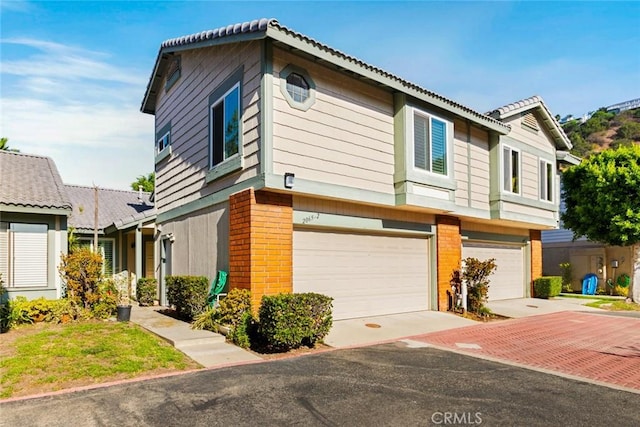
<point>614,305</point>
<point>44,357</point>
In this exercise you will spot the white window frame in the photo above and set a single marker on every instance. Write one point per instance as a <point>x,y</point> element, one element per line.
<point>113,250</point>
<point>163,142</point>
<point>502,169</point>
<point>411,142</point>
<point>547,177</point>
<point>211,127</point>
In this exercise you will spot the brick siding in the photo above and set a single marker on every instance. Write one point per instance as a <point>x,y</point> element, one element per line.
<point>449,254</point>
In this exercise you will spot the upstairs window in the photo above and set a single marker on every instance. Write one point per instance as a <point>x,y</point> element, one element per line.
<point>510,170</point>
<point>546,181</point>
<point>297,87</point>
<point>225,126</point>
<point>163,142</point>
<point>429,144</point>
<point>173,73</point>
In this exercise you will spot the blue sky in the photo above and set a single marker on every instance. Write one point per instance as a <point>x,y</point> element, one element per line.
<point>73,74</point>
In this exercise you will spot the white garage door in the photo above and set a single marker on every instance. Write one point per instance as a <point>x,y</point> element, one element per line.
<point>508,280</point>
<point>366,275</point>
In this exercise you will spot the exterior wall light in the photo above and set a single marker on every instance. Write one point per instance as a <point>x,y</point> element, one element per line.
<point>289,180</point>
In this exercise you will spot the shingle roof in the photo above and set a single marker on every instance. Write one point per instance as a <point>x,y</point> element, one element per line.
<point>534,102</point>
<point>264,25</point>
<point>31,181</point>
<point>113,206</point>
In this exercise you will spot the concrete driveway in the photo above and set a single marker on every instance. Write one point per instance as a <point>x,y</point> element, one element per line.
<point>523,307</point>
<point>394,384</point>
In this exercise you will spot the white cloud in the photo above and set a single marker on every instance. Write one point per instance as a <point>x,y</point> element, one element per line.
<point>79,108</point>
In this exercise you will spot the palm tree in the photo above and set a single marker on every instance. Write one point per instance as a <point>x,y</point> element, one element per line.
<point>4,146</point>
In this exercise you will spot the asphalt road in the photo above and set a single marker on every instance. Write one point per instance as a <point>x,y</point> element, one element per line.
<point>384,385</point>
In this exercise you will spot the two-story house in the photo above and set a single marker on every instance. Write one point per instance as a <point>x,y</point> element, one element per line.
<point>297,167</point>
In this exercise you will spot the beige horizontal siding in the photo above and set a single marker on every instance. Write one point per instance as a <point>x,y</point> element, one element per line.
<point>539,139</point>
<point>181,178</point>
<point>301,203</point>
<point>530,176</point>
<point>345,138</point>
<point>479,169</point>
<point>527,210</point>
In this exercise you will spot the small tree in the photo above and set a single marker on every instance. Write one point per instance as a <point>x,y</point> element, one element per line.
<point>602,199</point>
<point>81,272</point>
<point>476,274</point>
<point>147,182</point>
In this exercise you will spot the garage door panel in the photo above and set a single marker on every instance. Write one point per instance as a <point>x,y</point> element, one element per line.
<point>365,274</point>
<point>507,281</point>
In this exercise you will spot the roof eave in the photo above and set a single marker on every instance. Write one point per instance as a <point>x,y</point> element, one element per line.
<point>567,158</point>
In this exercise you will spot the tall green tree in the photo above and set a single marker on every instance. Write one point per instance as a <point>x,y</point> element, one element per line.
<point>602,198</point>
<point>4,145</point>
<point>147,182</point>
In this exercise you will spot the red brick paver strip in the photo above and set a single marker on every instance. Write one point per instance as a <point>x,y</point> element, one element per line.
<point>593,346</point>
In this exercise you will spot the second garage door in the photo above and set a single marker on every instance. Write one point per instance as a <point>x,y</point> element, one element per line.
<point>508,280</point>
<point>367,275</point>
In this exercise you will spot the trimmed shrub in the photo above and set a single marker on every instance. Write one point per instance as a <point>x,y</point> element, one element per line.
<point>41,310</point>
<point>81,272</point>
<point>106,306</point>
<point>547,286</point>
<point>242,332</point>
<point>146,291</point>
<point>5,308</point>
<point>233,306</point>
<point>188,294</point>
<point>289,321</point>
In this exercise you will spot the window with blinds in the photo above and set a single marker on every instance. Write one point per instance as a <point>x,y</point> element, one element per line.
<point>106,248</point>
<point>429,144</point>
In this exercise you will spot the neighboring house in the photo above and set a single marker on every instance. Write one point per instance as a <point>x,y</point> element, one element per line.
<point>37,212</point>
<point>126,227</point>
<point>585,257</point>
<point>299,168</point>
<point>34,211</point>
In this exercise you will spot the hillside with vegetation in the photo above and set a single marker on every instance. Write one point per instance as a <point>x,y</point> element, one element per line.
<point>603,130</point>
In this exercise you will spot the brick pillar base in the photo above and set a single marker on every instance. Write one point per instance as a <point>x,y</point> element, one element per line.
<point>449,248</point>
<point>260,243</point>
<point>536,257</point>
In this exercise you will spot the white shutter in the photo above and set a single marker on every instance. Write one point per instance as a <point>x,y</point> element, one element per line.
<point>29,255</point>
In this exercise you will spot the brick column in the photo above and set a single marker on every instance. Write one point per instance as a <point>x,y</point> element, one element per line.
<point>536,257</point>
<point>261,243</point>
<point>449,247</point>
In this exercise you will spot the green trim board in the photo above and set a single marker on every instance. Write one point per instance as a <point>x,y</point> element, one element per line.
<point>524,201</point>
<point>266,108</point>
<point>304,186</point>
<point>4,209</point>
<point>256,182</point>
<point>230,165</point>
<point>321,219</point>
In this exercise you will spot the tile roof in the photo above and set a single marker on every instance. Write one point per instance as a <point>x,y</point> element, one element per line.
<point>262,26</point>
<point>113,206</point>
<point>529,104</point>
<point>31,181</point>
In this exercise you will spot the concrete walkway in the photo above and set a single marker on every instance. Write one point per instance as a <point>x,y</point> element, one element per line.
<point>524,307</point>
<point>207,348</point>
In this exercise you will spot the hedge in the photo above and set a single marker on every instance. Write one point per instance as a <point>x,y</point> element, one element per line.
<point>146,291</point>
<point>289,321</point>
<point>547,286</point>
<point>188,294</point>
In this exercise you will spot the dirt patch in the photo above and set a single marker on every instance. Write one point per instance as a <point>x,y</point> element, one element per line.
<point>318,348</point>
